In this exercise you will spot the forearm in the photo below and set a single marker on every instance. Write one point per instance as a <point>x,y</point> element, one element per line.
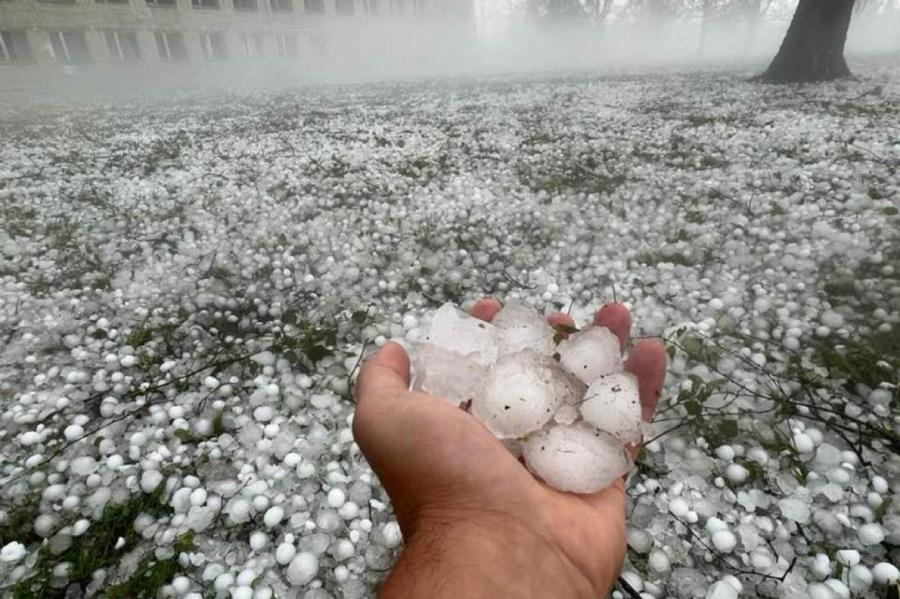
<point>467,560</point>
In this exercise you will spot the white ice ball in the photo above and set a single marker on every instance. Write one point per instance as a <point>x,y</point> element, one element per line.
<point>870,534</point>
<point>724,541</point>
<point>803,443</point>
<point>575,458</point>
<point>885,573</point>
<point>258,540</point>
<point>303,568</point>
<point>736,473</point>
<point>72,432</point>
<point>590,354</point>
<point>848,557</point>
<point>519,397</point>
<point>242,592</point>
<point>273,516</point>
<point>859,578</point>
<point>336,498</point>
<point>150,479</point>
<point>181,584</point>
<point>443,373</point>
<point>456,331</point>
<point>12,552</point>
<point>520,327</point>
<point>45,525</point>
<point>391,534</point>
<point>612,404</point>
<point>659,562</point>
<point>223,581</point>
<point>285,553</point>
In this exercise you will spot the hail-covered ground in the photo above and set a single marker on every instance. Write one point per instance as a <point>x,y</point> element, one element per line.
<point>187,285</point>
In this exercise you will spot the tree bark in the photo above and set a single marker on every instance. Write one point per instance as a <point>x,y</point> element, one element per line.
<point>813,49</point>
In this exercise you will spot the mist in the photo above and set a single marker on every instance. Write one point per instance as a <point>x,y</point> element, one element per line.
<point>499,38</point>
<point>630,268</point>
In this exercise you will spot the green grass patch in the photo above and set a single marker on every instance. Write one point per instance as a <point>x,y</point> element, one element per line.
<point>95,549</point>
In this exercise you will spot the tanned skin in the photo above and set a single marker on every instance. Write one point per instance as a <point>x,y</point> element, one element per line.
<point>477,524</point>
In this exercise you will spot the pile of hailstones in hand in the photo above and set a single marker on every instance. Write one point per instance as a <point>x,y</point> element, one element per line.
<point>568,409</point>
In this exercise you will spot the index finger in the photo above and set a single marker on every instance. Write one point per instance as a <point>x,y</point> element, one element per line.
<point>616,318</point>
<point>486,309</point>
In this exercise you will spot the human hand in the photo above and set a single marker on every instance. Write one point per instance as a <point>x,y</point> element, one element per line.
<point>476,522</point>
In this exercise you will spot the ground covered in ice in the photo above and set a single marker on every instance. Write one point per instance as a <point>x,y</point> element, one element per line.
<point>186,286</point>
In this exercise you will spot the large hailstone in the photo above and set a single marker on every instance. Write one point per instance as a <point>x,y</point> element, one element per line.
<point>576,458</point>
<point>519,397</point>
<point>520,327</point>
<point>456,331</point>
<point>444,373</point>
<point>612,405</point>
<point>569,410</point>
<point>590,354</point>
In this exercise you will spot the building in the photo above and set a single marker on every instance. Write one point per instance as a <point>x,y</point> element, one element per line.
<point>173,31</point>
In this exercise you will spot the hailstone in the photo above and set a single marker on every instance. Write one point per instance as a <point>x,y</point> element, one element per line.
<point>519,327</point>
<point>444,373</point>
<point>575,458</point>
<point>612,404</point>
<point>458,332</point>
<point>518,398</point>
<point>568,410</point>
<point>590,354</point>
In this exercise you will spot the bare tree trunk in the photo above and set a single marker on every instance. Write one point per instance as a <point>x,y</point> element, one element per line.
<point>813,49</point>
<point>704,21</point>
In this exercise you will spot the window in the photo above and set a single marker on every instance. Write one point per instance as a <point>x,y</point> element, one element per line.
<point>171,46</point>
<point>344,7</point>
<point>111,1</point>
<point>214,46</point>
<point>57,1</point>
<point>314,6</point>
<point>251,5</point>
<point>14,47</point>
<point>282,5</point>
<point>161,3</point>
<point>251,44</point>
<point>213,4</point>
<point>123,45</point>
<point>70,47</point>
<point>372,7</point>
<point>287,45</point>
<point>319,45</point>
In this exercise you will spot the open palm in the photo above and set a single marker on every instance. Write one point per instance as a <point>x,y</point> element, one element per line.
<point>441,466</point>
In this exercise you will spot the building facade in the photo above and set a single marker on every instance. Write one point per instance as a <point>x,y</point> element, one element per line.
<point>34,32</point>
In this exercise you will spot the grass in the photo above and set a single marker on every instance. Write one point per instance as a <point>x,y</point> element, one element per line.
<point>19,521</point>
<point>830,373</point>
<point>98,548</point>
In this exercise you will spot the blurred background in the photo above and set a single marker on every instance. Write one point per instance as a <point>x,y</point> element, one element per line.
<point>130,44</point>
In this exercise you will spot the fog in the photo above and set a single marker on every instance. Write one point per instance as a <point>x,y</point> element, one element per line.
<point>496,42</point>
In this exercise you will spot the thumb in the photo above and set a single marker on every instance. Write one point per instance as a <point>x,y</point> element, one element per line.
<point>382,381</point>
<point>385,372</point>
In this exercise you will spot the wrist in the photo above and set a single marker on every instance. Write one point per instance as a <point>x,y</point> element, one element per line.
<point>486,556</point>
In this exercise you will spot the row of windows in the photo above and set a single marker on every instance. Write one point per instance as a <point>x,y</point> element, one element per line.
<point>14,47</point>
<point>71,47</point>
<point>342,7</point>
